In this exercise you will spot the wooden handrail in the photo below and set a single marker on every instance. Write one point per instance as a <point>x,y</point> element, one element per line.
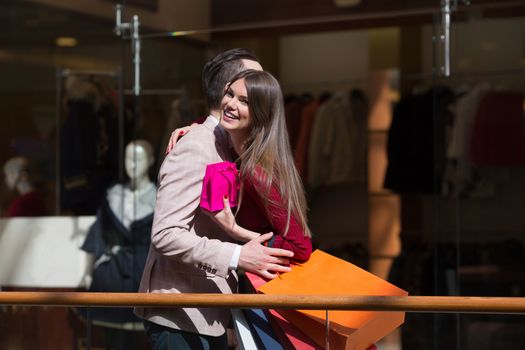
<point>433,304</point>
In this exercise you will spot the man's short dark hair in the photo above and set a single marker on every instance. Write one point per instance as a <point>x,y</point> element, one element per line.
<point>218,71</point>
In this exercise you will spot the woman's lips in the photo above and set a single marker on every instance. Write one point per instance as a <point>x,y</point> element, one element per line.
<point>230,116</point>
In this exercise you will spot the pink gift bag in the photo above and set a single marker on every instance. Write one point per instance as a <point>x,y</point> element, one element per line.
<point>220,179</point>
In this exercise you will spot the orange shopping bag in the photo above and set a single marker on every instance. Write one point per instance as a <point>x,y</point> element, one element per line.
<point>329,275</point>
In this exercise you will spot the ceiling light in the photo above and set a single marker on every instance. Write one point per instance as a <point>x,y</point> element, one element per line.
<point>66,41</point>
<point>346,3</point>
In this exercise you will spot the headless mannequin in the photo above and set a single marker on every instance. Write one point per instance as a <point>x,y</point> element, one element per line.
<point>17,177</point>
<point>135,200</point>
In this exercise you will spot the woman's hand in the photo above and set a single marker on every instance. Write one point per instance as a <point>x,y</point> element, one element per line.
<point>226,221</point>
<point>224,218</point>
<point>176,134</point>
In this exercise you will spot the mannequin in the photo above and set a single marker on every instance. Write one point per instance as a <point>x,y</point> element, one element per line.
<point>119,241</point>
<point>88,155</point>
<point>135,200</point>
<point>18,178</point>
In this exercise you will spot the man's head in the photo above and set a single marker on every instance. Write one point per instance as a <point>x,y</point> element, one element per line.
<point>218,71</point>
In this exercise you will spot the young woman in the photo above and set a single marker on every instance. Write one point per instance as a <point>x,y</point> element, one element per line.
<point>271,193</point>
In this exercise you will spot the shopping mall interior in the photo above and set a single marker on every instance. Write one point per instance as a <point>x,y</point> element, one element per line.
<point>427,204</point>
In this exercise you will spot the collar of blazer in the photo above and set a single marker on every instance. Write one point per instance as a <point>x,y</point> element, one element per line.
<point>222,139</point>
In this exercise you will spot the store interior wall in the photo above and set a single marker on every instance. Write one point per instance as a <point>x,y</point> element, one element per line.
<point>319,60</point>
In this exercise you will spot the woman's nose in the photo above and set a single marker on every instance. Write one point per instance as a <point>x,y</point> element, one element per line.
<point>231,103</point>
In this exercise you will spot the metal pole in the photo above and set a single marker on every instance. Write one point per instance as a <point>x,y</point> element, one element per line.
<point>58,172</point>
<point>445,37</point>
<point>135,43</point>
<point>120,29</point>
<point>120,125</point>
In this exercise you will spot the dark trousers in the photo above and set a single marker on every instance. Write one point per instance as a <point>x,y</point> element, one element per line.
<point>164,338</point>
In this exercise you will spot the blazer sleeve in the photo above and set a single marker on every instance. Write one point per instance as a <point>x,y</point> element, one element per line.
<point>180,186</point>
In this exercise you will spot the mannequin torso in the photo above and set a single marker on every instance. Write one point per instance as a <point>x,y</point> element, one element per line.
<point>129,205</point>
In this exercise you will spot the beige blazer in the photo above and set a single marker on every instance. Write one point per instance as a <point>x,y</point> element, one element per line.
<point>189,253</point>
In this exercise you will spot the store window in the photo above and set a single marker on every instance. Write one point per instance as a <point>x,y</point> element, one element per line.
<point>412,175</point>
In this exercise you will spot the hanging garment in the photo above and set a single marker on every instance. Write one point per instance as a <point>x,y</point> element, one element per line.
<point>459,174</point>
<point>29,204</point>
<point>293,110</point>
<point>497,134</point>
<point>88,157</point>
<point>416,142</point>
<point>303,140</point>
<point>334,143</point>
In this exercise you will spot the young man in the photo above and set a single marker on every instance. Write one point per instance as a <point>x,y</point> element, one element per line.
<point>189,253</point>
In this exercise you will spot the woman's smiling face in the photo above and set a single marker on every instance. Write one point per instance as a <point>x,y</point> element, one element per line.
<point>235,111</point>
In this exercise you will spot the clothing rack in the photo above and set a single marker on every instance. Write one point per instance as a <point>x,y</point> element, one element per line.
<point>164,92</point>
<point>322,86</point>
<point>511,79</point>
<point>67,72</point>
<point>517,73</point>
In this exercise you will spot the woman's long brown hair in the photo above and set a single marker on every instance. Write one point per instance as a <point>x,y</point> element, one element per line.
<point>267,153</point>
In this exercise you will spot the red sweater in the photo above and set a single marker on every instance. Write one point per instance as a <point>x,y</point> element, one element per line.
<point>29,204</point>
<point>253,216</point>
